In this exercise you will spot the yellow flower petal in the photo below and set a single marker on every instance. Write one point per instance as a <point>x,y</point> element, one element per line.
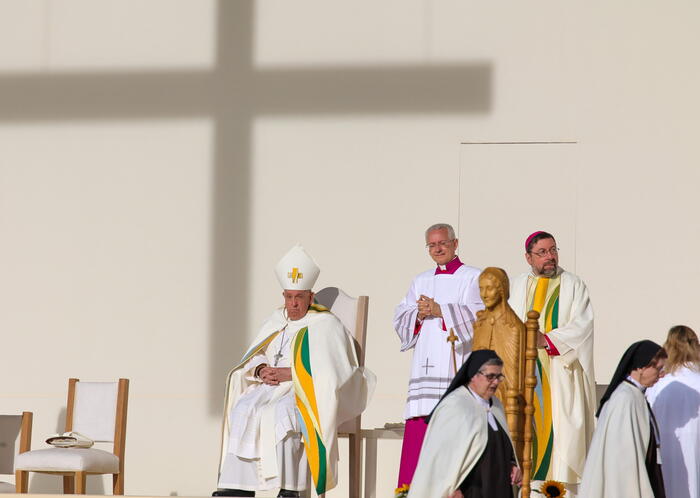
<point>553,489</point>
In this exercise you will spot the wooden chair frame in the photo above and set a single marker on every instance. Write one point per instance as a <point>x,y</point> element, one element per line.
<point>352,429</point>
<point>25,435</point>
<point>74,482</point>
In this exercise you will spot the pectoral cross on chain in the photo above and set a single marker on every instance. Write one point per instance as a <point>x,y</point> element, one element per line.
<point>278,355</point>
<point>427,366</point>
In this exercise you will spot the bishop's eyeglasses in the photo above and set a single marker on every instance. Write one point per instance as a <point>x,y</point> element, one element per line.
<point>544,252</point>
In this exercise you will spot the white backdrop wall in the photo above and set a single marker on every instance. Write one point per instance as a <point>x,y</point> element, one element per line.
<point>158,157</point>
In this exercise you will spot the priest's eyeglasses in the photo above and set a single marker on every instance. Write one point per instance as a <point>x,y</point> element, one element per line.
<point>442,243</point>
<point>492,377</point>
<point>543,252</point>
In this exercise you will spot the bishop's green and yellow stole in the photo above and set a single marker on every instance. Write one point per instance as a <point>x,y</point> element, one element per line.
<point>545,300</point>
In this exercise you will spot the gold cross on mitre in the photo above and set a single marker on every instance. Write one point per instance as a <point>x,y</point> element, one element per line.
<point>295,275</point>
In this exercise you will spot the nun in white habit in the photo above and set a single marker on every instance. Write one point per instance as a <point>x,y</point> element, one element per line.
<point>467,450</point>
<point>624,460</point>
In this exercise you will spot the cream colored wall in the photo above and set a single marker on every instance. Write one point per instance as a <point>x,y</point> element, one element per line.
<point>158,157</point>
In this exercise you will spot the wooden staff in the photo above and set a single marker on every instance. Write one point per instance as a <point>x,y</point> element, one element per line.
<point>531,330</point>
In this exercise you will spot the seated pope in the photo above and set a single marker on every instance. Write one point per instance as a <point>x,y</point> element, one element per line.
<point>289,393</point>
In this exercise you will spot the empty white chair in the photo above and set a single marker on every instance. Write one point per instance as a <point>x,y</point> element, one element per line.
<point>98,411</point>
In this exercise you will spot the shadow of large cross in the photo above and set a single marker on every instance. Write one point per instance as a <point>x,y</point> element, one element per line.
<point>232,95</point>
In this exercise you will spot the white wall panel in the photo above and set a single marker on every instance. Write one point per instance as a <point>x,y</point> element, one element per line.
<point>23,35</point>
<point>120,215</point>
<point>508,191</point>
<point>105,264</point>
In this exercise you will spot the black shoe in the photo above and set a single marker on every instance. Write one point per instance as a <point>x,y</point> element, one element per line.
<point>233,492</point>
<point>285,493</point>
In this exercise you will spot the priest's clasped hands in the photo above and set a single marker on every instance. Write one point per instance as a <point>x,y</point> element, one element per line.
<point>272,376</point>
<point>428,307</point>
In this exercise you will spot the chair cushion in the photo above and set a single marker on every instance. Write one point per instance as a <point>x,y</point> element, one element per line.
<point>6,487</point>
<point>68,460</point>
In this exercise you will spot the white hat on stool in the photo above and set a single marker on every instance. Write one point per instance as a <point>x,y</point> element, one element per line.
<point>297,270</point>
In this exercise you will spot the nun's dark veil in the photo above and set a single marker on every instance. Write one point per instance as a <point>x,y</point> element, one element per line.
<point>469,369</point>
<point>638,355</point>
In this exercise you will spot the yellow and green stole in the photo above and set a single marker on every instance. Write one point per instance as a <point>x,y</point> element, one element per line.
<point>307,409</point>
<point>543,297</point>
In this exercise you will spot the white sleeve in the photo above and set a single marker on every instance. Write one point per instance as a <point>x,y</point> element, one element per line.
<point>249,368</point>
<point>406,318</point>
<point>460,316</point>
<point>579,330</point>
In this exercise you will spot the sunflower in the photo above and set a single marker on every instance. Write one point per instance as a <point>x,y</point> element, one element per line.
<point>553,489</point>
<point>401,491</point>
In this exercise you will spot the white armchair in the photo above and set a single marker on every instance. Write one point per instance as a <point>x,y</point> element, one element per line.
<point>98,411</point>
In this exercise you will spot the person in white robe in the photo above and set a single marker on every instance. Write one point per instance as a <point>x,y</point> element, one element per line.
<point>624,459</point>
<point>467,451</point>
<point>293,387</point>
<point>565,392</point>
<point>675,401</point>
<point>441,302</point>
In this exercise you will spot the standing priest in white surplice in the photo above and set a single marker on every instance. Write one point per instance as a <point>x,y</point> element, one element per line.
<point>440,301</point>
<point>285,399</point>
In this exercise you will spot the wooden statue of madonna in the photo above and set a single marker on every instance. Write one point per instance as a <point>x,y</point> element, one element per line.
<point>498,328</point>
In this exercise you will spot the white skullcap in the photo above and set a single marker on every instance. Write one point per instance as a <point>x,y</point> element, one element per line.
<point>296,270</point>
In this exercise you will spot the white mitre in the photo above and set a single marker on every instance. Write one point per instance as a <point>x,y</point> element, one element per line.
<point>296,270</point>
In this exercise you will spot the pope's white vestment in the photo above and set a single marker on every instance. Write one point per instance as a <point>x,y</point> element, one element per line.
<point>615,465</point>
<point>261,443</point>
<point>571,372</point>
<point>454,442</point>
<point>675,401</point>
<point>432,367</point>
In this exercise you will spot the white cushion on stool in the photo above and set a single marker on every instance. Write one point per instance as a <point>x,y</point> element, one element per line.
<point>68,460</point>
<point>6,487</point>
